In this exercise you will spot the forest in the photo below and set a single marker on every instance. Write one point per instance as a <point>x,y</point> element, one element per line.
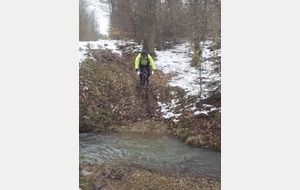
<point>155,23</point>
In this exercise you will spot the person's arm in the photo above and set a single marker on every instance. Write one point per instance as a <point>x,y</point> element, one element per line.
<point>137,61</point>
<point>151,62</point>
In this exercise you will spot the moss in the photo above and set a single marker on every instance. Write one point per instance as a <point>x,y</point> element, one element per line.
<point>216,146</point>
<point>195,60</point>
<point>190,140</point>
<point>182,134</point>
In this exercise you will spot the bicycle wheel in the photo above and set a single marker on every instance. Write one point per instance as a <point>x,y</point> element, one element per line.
<point>146,89</point>
<point>144,85</point>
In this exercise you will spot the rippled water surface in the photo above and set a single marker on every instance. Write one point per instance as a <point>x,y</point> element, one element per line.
<point>158,152</point>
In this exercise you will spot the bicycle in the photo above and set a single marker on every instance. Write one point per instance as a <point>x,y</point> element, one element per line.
<point>145,83</point>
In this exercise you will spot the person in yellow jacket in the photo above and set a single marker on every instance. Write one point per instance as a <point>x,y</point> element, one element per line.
<point>143,61</point>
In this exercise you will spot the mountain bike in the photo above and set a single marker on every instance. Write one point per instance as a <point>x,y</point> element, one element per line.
<point>145,83</point>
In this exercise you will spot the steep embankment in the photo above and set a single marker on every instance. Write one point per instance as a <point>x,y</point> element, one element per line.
<point>110,99</point>
<point>109,93</point>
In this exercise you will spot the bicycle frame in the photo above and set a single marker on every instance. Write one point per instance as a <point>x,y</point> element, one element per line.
<point>145,82</point>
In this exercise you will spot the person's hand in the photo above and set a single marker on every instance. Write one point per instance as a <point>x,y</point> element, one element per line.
<point>137,71</point>
<point>153,72</point>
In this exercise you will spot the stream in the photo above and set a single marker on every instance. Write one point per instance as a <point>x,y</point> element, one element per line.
<point>161,153</point>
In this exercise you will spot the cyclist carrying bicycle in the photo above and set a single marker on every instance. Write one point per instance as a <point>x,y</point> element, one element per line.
<point>143,61</point>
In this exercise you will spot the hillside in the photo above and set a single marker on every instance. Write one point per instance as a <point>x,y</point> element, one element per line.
<point>110,100</point>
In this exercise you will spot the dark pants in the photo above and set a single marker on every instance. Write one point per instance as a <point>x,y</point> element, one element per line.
<point>142,67</point>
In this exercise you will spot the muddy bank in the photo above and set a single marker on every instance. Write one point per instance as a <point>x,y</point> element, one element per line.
<point>122,177</point>
<point>198,131</point>
<point>144,127</point>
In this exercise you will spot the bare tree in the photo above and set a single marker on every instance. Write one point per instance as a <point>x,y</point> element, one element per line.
<point>214,22</point>
<point>159,27</point>
<point>174,21</point>
<point>87,23</point>
<point>150,27</point>
<point>153,22</point>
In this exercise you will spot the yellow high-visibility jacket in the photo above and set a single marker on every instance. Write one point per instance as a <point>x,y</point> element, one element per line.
<point>143,61</point>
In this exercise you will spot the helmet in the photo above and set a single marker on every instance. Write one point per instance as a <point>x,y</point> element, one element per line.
<point>144,53</point>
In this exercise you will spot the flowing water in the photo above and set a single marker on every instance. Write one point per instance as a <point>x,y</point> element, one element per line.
<point>156,152</point>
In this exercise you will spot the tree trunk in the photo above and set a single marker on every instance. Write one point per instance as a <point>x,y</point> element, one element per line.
<point>159,29</point>
<point>149,38</point>
<point>196,15</point>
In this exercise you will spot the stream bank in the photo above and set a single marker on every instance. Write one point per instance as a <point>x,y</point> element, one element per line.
<point>124,177</point>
